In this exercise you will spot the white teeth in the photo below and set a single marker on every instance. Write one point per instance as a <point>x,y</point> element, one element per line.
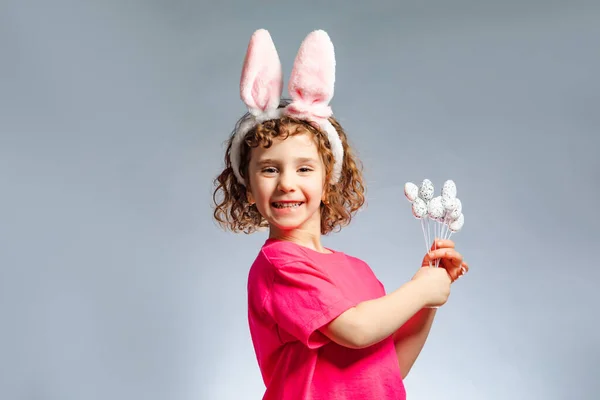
<point>286,205</point>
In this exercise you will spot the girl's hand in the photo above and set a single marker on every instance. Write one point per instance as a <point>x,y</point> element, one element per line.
<point>450,259</point>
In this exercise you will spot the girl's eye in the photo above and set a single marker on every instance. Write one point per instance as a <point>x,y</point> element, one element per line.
<point>269,170</point>
<point>305,169</point>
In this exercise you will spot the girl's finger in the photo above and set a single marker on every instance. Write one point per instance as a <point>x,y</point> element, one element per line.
<point>456,273</point>
<point>453,272</point>
<point>447,254</point>
<point>461,271</point>
<point>442,243</point>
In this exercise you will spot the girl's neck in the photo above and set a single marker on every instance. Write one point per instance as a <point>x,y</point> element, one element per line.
<point>310,240</point>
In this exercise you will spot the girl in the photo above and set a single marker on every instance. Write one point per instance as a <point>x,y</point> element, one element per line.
<point>321,323</point>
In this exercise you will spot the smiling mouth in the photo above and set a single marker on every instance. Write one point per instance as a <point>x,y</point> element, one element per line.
<point>287,205</point>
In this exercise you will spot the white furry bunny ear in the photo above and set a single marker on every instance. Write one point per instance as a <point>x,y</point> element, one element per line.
<point>261,85</point>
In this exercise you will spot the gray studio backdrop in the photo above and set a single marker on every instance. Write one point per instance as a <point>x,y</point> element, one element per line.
<point>116,284</point>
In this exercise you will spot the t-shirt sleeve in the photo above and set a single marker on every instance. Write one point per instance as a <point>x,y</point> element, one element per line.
<point>382,286</point>
<point>302,299</point>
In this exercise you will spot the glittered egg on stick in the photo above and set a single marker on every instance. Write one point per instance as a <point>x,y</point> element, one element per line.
<point>426,190</point>
<point>449,189</point>
<point>456,211</point>
<point>450,204</point>
<point>457,224</point>
<point>419,208</point>
<point>411,191</point>
<point>435,209</point>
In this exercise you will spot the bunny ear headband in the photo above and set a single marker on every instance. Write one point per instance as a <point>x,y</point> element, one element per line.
<point>310,88</point>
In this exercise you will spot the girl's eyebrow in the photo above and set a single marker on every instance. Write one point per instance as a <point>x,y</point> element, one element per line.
<point>265,162</point>
<point>306,160</point>
<point>301,160</point>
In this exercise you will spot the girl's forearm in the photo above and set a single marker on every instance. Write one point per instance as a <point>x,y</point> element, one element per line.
<point>411,337</point>
<point>380,318</point>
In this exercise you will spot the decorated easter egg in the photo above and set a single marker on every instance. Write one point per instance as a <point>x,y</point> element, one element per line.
<point>426,190</point>
<point>435,209</point>
<point>457,224</point>
<point>454,214</point>
<point>419,208</point>
<point>449,203</point>
<point>449,189</point>
<point>411,191</point>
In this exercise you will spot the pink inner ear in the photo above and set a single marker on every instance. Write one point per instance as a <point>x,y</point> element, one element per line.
<point>261,93</point>
<point>313,76</point>
<point>262,80</point>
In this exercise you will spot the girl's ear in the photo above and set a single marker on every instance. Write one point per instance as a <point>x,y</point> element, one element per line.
<point>324,196</point>
<point>250,197</point>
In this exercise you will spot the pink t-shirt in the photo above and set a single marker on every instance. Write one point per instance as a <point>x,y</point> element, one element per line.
<point>292,292</point>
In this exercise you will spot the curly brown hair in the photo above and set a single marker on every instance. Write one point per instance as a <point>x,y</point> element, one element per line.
<point>342,200</point>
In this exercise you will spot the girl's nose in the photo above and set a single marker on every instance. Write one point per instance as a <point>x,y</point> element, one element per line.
<point>286,182</point>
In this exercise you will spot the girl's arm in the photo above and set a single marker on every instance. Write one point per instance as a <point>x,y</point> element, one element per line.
<point>374,320</point>
<point>410,338</point>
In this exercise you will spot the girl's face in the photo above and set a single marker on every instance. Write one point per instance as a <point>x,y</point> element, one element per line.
<point>287,182</point>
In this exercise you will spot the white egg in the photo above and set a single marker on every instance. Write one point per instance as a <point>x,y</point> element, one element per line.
<point>454,214</point>
<point>419,208</point>
<point>411,191</point>
<point>426,190</point>
<point>457,224</point>
<point>449,204</point>
<point>449,189</point>
<point>436,209</point>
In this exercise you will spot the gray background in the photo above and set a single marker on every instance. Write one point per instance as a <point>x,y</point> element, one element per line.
<point>115,282</point>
